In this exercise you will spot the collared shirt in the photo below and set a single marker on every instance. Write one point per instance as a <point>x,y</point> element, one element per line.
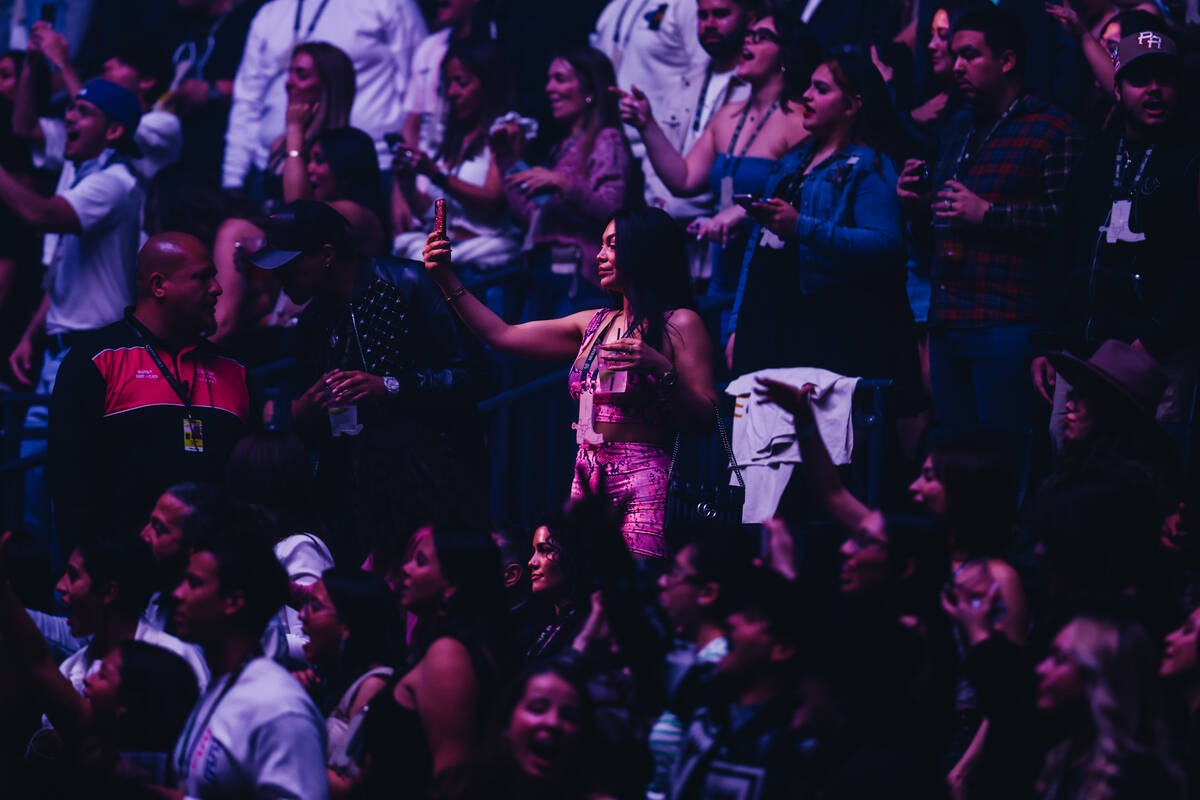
<point>379,36</point>
<point>92,272</point>
<point>996,273</point>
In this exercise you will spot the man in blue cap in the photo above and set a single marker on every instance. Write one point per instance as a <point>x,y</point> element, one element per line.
<point>92,225</point>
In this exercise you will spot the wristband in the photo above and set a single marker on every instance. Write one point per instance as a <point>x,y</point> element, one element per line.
<point>294,154</point>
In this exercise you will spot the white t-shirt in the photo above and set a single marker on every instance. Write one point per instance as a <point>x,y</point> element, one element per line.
<point>652,44</point>
<point>262,737</point>
<point>160,137</point>
<point>79,666</point>
<point>379,36</point>
<point>93,272</point>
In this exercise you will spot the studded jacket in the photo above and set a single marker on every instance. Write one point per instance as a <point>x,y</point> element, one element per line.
<point>397,325</point>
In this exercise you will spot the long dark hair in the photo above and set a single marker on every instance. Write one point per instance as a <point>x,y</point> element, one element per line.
<point>470,562</point>
<point>352,159</point>
<point>596,77</point>
<point>271,469</point>
<point>158,690</point>
<point>653,260</point>
<point>488,62</point>
<point>876,125</point>
<point>366,606</point>
<point>981,493</point>
<point>799,54</point>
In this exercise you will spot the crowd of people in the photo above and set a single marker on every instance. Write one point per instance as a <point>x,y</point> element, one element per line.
<point>986,207</point>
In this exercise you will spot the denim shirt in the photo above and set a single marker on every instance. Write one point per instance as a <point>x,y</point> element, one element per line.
<point>850,221</point>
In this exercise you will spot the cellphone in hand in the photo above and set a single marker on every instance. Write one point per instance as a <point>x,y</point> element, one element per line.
<point>746,200</point>
<point>924,183</point>
<point>439,217</point>
<point>49,13</point>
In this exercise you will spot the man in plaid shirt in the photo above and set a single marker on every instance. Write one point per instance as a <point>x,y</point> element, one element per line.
<point>1001,176</point>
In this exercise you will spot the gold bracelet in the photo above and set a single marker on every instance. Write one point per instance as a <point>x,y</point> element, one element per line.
<point>457,293</point>
<point>294,154</point>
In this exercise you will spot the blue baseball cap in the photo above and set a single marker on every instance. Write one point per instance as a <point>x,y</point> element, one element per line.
<point>119,104</point>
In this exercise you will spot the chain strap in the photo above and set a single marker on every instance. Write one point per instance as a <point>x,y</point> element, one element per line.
<point>731,461</point>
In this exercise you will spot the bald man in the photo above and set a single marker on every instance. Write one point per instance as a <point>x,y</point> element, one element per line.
<point>147,402</point>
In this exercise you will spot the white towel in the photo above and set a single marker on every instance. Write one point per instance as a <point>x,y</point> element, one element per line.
<point>764,435</point>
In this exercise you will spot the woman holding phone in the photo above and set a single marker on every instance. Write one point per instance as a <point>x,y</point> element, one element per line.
<point>642,368</point>
<point>824,267</point>
<point>736,152</point>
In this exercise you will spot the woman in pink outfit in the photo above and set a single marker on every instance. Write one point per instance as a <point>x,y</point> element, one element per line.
<point>642,368</point>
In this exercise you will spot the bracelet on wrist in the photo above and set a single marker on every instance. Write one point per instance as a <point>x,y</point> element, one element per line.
<point>294,154</point>
<point>457,293</point>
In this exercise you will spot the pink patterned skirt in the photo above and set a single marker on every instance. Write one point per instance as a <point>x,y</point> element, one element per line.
<point>634,472</point>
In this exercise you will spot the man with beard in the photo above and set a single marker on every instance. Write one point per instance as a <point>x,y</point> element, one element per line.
<point>1130,215</point>
<point>992,202</point>
<point>145,402</point>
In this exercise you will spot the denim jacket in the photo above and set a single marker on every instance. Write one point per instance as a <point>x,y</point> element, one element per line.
<point>850,220</point>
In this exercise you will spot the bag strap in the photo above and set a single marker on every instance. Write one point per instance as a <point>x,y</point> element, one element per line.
<point>730,460</point>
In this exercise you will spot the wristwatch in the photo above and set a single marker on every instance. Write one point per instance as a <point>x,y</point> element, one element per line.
<point>391,384</point>
<point>668,379</point>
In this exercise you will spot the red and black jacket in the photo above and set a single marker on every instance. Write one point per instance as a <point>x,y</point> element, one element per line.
<point>116,438</point>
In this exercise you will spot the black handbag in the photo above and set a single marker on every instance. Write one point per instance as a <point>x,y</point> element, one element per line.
<point>693,502</point>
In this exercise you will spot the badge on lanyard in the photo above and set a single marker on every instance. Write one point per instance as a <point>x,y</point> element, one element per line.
<point>726,199</point>
<point>585,430</point>
<point>1117,229</point>
<point>193,435</point>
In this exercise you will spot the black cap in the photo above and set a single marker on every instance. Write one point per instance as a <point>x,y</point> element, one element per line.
<point>300,227</point>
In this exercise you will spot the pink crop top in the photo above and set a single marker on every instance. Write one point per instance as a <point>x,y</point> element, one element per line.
<point>640,404</point>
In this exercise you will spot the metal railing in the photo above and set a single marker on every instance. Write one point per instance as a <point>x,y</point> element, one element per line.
<point>531,445</point>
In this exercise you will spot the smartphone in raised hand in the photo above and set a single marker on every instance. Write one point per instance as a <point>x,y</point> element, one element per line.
<point>439,217</point>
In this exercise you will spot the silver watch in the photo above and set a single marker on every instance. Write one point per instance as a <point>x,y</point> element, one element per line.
<point>391,384</point>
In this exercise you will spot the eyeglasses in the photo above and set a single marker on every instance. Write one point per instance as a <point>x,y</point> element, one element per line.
<point>760,35</point>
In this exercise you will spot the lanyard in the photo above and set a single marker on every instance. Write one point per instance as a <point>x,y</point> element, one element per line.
<point>211,44</point>
<point>1119,168</point>
<point>587,364</point>
<point>733,163</point>
<point>311,25</point>
<point>183,763</point>
<point>965,156</point>
<point>177,384</point>
<point>708,73</point>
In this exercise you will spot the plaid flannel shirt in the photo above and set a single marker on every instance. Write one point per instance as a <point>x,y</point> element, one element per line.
<point>998,270</point>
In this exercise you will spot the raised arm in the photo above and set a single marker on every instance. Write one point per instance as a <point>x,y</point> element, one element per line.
<point>66,708</point>
<point>24,117</point>
<point>820,474</point>
<point>684,176</point>
<point>551,339</point>
<point>296,185</point>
